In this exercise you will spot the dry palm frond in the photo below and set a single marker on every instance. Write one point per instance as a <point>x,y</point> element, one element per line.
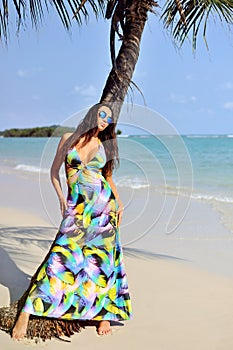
<point>181,11</point>
<point>39,328</point>
<point>79,8</point>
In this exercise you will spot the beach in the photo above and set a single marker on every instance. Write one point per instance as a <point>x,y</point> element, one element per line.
<point>181,291</point>
<point>180,275</point>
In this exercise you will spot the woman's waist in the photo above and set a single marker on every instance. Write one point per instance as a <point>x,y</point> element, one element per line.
<point>88,187</point>
<point>82,169</point>
<point>82,183</point>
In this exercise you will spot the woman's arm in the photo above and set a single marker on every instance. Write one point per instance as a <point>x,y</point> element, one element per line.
<point>120,203</point>
<point>54,173</point>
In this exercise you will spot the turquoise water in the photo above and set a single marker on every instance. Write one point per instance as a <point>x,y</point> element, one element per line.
<point>202,164</point>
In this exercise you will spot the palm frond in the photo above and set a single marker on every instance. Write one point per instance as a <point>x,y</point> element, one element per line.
<point>37,11</point>
<point>67,11</point>
<point>196,14</point>
<point>3,19</point>
<point>78,10</point>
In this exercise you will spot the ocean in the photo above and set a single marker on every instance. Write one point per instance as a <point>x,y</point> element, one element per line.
<point>193,164</point>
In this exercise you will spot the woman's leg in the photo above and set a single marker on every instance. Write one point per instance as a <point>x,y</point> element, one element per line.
<point>104,328</point>
<point>20,328</point>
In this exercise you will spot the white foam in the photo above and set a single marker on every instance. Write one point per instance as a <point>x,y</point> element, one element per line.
<point>31,169</point>
<point>216,198</point>
<point>175,190</point>
<point>203,136</point>
<point>134,183</point>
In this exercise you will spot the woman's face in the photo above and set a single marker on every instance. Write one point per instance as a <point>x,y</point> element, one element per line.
<point>104,117</point>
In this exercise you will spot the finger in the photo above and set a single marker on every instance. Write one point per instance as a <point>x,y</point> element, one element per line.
<point>119,219</point>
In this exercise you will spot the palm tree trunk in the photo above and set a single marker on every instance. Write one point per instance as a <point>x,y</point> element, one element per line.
<point>118,81</point>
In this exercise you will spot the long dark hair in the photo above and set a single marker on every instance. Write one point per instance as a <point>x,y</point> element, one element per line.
<point>87,128</point>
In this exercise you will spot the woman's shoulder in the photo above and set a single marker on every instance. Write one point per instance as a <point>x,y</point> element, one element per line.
<point>63,139</point>
<point>66,135</point>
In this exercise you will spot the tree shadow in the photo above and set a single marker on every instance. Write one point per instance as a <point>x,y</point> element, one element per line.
<point>12,277</point>
<point>145,254</point>
<point>14,241</point>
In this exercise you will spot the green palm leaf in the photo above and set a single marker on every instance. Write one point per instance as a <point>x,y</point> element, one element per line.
<point>67,10</point>
<point>196,13</point>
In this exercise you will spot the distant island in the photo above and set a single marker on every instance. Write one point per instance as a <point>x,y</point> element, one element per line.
<point>44,131</point>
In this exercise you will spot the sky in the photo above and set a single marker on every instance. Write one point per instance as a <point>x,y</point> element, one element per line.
<point>48,75</point>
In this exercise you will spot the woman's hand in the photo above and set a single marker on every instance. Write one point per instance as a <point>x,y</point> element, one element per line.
<point>120,211</point>
<point>117,197</point>
<point>63,205</point>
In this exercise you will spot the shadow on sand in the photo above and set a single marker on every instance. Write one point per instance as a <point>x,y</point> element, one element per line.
<point>12,277</point>
<point>14,240</point>
<point>145,254</point>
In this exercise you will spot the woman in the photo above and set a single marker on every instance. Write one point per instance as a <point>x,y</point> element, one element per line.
<point>83,276</point>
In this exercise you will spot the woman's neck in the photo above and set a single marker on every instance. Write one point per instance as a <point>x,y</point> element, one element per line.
<point>96,135</point>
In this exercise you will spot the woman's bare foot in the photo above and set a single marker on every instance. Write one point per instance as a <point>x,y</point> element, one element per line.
<point>104,328</point>
<point>20,328</point>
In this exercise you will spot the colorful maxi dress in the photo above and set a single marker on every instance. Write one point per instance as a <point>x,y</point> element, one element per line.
<point>83,275</point>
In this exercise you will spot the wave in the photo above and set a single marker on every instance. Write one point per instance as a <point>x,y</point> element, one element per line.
<point>208,197</point>
<point>134,186</point>
<point>208,136</point>
<point>211,198</point>
<point>31,169</point>
<point>204,136</point>
<point>134,183</point>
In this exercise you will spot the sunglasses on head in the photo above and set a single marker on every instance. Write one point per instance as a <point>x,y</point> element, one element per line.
<point>103,115</point>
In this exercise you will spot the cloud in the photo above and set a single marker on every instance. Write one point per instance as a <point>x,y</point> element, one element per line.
<point>227,85</point>
<point>228,105</point>
<point>28,72</point>
<point>176,98</point>
<point>86,91</point>
<point>35,97</point>
<point>22,73</point>
<point>189,77</point>
<point>193,98</point>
